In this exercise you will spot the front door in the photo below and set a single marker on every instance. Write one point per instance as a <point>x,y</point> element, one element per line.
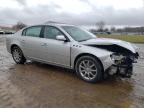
<point>56,51</point>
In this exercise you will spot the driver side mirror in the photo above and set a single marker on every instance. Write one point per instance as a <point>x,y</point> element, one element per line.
<point>61,38</point>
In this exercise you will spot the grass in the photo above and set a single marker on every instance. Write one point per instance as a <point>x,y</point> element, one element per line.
<point>133,39</point>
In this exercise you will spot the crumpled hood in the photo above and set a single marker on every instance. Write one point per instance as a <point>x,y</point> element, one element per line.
<point>106,41</point>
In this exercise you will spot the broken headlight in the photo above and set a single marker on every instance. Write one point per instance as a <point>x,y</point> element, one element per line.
<point>118,59</point>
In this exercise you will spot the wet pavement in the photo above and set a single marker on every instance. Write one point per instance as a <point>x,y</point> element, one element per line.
<point>36,85</point>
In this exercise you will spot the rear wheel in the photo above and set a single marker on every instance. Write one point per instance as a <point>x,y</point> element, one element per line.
<point>18,55</point>
<point>89,69</point>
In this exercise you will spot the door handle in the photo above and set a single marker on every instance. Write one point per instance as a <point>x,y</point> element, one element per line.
<point>44,44</point>
<point>23,41</point>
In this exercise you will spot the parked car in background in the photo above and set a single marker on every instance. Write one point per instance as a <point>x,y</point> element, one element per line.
<point>100,33</point>
<point>2,32</point>
<point>72,47</point>
<point>8,32</point>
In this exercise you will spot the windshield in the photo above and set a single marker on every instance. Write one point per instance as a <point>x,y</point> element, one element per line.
<point>77,33</point>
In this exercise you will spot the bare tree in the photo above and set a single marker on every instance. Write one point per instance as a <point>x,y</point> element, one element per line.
<point>19,26</point>
<point>113,29</point>
<point>100,25</point>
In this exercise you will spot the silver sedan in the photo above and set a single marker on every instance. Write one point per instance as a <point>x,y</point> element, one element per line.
<point>72,47</point>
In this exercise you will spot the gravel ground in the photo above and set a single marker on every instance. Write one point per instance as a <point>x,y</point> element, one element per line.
<point>36,85</point>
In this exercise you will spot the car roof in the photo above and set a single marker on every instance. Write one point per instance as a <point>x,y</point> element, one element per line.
<point>53,24</point>
<point>56,24</point>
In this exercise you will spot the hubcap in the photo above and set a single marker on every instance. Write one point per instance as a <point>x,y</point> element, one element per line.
<point>87,69</point>
<point>17,55</point>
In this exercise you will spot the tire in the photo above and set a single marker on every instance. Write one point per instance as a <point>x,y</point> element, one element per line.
<point>89,69</point>
<point>17,55</point>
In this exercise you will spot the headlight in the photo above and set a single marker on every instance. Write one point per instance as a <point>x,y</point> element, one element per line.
<point>116,57</point>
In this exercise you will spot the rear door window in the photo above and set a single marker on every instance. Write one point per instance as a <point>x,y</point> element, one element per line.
<point>32,31</point>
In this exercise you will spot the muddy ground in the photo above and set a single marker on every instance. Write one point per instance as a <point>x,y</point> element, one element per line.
<point>36,85</point>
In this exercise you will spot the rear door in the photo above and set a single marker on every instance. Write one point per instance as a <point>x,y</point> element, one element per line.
<point>31,42</point>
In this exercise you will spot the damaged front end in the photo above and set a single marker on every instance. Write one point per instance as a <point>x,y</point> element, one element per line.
<point>123,64</point>
<point>123,60</point>
<point>124,54</point>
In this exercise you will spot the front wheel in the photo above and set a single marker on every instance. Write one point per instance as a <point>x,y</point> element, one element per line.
<point>89,69</point>
<point>18,55</point>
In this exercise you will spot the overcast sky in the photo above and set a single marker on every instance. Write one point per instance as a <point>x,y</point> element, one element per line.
<point>81,12</point>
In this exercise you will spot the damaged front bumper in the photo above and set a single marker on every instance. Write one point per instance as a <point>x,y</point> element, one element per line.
<point>123,67</point>
<point>121,70</point>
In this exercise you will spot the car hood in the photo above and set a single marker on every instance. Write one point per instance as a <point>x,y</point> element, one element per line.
<point>106,41</point>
